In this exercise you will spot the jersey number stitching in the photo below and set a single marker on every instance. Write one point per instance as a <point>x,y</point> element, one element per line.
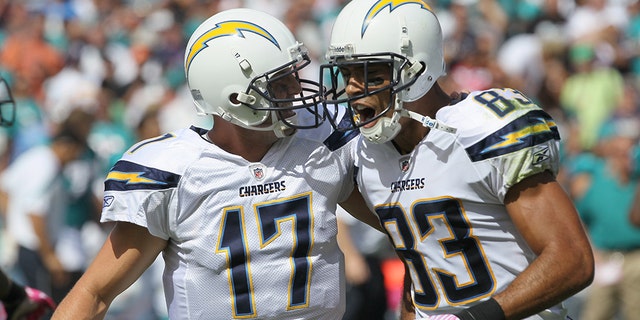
<point>461,245</point>
<point>270,217</point>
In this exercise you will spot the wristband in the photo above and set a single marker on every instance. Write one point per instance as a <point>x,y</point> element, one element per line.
<point>486,310</point>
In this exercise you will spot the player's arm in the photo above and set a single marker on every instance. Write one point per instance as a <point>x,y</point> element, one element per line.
<point>548,220</point>
<point>357,207</point>
<point>125,255</point>
<point>355,264</point>
<point>407,309</point>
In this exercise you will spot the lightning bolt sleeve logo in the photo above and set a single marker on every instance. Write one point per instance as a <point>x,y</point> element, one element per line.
<point>125,176</point>
<point>534,128</point>
<point>227,28</point>
<point>519,136</point>
<point>131,177</point>
<point>392,4</point>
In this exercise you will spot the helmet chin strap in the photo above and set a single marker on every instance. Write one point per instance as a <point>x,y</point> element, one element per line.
<point>387,128</point>
<point>384,130</point>
<point>428,121</point>
<point>280,128</point>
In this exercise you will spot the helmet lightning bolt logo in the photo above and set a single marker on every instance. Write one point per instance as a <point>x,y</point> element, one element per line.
<point>131,177</point>
<point>227,28</point>
<point>392,4</point>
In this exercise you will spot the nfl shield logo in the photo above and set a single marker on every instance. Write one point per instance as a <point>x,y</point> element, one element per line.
<point>404,164</point>
<point>257,170</point>
<point>258,173</point>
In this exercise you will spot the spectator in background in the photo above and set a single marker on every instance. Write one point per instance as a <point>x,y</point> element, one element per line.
<point>472,31</point>
<point>36,203</point>
<point>31,127</point>
<point>599,23</point>
<point>604,189</point>
<point>28,55</point>
<point>17,301</point>
<point>634,215</point>
<point>590,94</point>
<point>630,41</point>
<point>80,206</point>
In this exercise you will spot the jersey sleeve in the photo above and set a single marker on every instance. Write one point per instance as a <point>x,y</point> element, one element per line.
<point>140,187</point>
<point>139,194</point>
<point>516,140</point>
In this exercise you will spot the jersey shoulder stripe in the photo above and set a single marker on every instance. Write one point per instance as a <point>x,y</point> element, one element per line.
<point>533,128</point>
<point>156,163</point>
<point>126,175</point>
<point>337,139</point>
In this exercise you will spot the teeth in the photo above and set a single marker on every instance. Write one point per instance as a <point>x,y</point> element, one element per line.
<point>360,108</point>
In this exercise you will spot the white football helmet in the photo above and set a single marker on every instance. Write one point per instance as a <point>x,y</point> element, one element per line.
<point>404,34</point>
<point>231,62</point>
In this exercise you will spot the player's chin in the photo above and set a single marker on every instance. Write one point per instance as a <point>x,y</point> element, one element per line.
<point>289,132</point>
<point>370,123</point>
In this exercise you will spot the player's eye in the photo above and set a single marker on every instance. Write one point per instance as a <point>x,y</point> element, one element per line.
<point>375,81</point>
<point>345,73</point>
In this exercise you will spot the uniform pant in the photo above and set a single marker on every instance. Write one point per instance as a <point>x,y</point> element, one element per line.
<point>615,290</point>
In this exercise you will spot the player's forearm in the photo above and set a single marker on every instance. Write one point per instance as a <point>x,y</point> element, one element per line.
<point>81,304</point>
<point>564,263</point>
<point>547,282</point>
<point>407,311</point>
<point>356,206</point>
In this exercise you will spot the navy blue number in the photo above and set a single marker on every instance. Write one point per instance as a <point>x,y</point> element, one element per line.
<point>461,244</point>
<point>499,104</point>
<point>270,218</point>
<point>233,243</point>
<point>297,212</point>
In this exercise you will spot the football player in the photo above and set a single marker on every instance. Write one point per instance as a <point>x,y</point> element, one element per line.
<point>464,184</point>
<point>243,213</point>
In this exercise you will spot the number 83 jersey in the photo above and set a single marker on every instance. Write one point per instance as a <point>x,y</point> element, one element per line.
<point>442,204</point>
<point>245,239</point>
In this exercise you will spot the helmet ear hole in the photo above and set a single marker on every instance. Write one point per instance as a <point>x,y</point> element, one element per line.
<point>233,99</point>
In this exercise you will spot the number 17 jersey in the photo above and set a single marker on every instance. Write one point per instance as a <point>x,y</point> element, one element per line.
<point>246,240</point>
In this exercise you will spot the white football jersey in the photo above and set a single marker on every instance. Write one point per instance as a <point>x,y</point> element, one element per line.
<point>246,239</point>
<point>442,205</point>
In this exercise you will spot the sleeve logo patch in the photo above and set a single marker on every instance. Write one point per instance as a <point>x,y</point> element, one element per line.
<point>540,154</point>
<point>107,201</point>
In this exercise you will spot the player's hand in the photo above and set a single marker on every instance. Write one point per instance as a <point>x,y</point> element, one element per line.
<point>444,317</point>
<point>34,306</point>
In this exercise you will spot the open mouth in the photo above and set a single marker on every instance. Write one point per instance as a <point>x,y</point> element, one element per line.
<point>364,115</point>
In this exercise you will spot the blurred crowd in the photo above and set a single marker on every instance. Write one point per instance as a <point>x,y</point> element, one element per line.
<point>111,73</point>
